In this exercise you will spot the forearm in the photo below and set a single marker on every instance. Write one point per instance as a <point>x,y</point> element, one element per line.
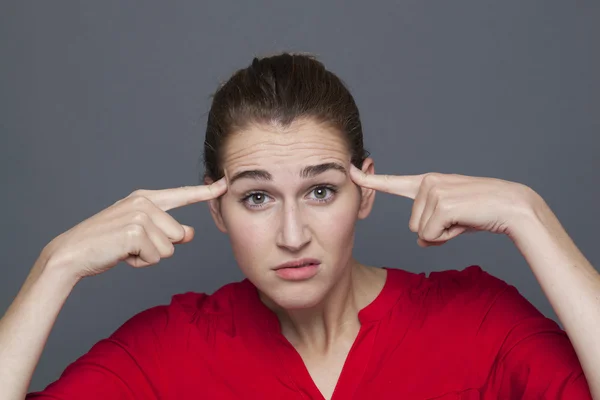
<point>26,325</point>
<point>569,281</point>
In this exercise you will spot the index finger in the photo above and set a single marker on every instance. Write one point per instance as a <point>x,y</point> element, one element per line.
<point>167,199</point>
<point>401,185</point>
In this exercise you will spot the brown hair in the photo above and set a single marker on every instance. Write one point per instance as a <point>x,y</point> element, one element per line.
<point>279,90</point>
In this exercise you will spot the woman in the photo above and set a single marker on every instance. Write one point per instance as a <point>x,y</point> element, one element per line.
<point>287,178</point>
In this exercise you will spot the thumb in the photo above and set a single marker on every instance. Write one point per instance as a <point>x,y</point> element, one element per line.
<point>188,234</point>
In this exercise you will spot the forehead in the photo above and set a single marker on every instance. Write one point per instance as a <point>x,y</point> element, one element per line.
<point>267,146</point>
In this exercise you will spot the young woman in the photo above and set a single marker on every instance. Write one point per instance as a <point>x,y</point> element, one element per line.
<point>287,178</point>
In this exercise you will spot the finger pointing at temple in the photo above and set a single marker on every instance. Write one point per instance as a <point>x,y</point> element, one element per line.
<point>167,199</point>
<point>401,185</point>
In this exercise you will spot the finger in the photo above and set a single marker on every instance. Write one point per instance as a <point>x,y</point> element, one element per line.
<point>164,246</point>
<point>426,208</point>
<point>425,243</point>
<point>140,249</point>
<point>168,199</point>
<point>137,261</point>
<point>401,185</point>
<point>188,235</point>
<point>441,227</point>
<point>169,225</point>
<point>156,234</point>
<point>452,232</point>
<point>174,231</point>
<point>416,216</point>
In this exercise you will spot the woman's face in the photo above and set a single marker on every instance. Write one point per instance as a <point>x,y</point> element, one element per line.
<point>290,198</point>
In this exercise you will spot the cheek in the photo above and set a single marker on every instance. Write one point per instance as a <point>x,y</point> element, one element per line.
<point>334,224</point>
<point>248,233</point>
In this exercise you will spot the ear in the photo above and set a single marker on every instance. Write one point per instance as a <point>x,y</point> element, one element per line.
<point>367,197</point>
<point>214,206</point>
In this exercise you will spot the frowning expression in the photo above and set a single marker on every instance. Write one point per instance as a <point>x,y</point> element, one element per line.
<point>290,198</point>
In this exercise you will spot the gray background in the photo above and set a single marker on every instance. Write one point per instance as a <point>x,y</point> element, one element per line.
<point>100,98</point>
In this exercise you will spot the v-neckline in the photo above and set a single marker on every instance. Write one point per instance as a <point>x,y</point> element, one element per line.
<point>350,377</point>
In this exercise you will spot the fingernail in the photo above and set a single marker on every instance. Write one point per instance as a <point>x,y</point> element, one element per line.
<point>221,182</point>
<point>357,172</point>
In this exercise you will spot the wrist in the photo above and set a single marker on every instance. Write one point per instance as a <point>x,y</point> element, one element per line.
<point>529,216</point>
<point>49,268</point>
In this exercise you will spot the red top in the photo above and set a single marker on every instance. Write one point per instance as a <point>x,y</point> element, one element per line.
<point>452,335</point>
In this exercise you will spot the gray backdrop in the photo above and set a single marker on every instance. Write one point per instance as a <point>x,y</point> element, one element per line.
<point>100,98</point>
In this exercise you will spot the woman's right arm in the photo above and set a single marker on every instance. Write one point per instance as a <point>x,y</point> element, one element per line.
<point>136,229</point>
<point>26,325</point>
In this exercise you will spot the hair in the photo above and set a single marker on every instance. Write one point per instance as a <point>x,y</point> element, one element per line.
<point>279,90</point>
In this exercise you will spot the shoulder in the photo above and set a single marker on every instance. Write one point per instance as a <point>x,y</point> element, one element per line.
<point>483,310</point>
<point>471,277</point>
<point>185,311</point>
<point>451,284</point>
<point>469,298</point>
<point>479,315</point>
<point>473,289</point>
<point>471,284</point>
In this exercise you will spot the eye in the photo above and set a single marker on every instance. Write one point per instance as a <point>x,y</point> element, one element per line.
<point>255,199</point>
<point>323,193</point>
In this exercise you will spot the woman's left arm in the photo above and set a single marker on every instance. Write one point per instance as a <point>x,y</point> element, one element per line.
<point>447,205</point>
<point>568,280</point>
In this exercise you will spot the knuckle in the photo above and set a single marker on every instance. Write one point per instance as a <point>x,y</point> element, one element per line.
<point>134,231</point>
<point>137,262</point>
<point>170,251</point>
<point>445,206</point>
<point>436,192</point>
<point>413,226</point>
<point>138,193</point>
<point>140,201</point>
<point>431,177</point>
<point>180,234</point>
<point>140,217</point>
<point>131,261</point>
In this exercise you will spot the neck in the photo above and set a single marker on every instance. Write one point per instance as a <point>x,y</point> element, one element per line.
<point>335,318</point>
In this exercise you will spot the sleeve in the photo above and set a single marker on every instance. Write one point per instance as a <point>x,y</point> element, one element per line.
<point>534,357</point>
<point>126,365</point>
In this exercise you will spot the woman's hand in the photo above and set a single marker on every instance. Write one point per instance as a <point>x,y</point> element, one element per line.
<point>446,205</point>
<point>136,229</point>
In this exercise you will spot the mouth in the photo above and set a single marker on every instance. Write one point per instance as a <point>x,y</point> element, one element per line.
<point>298,270</point>
<point>303,262</point>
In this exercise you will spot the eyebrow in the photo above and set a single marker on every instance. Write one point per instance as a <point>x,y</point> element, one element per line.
<point>307,172</point>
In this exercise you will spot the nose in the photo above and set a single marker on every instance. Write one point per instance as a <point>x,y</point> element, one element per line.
<point>293,233</point>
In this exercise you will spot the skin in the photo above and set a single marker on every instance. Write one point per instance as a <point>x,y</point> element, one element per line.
<point>321,319</point>
<point>447,205</point>
<point>292,216</point>
<point>137,230</point>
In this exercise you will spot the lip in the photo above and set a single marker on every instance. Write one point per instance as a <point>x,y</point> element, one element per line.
<point>298,263</point>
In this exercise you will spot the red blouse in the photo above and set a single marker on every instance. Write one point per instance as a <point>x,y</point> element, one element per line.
<point>450,335</point>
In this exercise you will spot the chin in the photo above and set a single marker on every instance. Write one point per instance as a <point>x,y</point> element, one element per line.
<point>297,296</point>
